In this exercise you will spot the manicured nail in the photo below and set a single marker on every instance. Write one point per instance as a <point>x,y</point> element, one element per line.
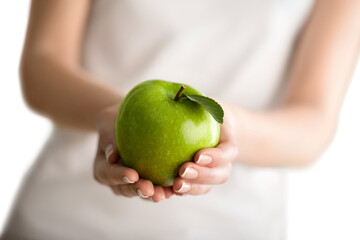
<point>140,193</point>
<point>185,187</point>
<point>127,180</point>
<point>204,159</point>
<point>108,151</point>
<point>189,173</point>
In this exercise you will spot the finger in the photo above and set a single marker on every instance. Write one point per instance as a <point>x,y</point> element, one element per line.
<point>159,194</point>
<point>144,188</point>
<point>107,141</point>
<point>168,192</point>
<point>199,189</point>
<point>205,175</point>
<point>225,152</point>
<point>111,153</point>
<point>124,190</point>
<point>107,148</point>
<point>178,194</point>
<point>113,174</point>
<point>185,187</point>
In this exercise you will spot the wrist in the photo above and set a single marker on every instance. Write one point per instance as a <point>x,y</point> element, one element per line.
<point>230,117</point>
<point>107,115</point>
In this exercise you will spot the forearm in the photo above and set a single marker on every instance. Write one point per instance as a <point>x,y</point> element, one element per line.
<point>298,131</point>
<point>64,92</point>
<point>53,81</point>
<point>288,136</point>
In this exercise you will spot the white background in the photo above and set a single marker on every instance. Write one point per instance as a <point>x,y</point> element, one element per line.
<point>324,199</point>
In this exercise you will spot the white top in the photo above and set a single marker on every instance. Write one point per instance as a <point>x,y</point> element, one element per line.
<point>234,50</point>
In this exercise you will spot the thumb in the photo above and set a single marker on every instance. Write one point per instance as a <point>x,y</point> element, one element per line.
<point>106,128</point>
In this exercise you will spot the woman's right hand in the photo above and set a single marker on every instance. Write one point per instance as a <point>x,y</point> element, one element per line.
<point>109,170</point>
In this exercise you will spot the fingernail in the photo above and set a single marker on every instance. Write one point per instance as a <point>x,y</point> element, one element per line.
<point>185,187</point>
<point>189,173</point>
<point>108,151</point>
<point>140,193</point>
<point>127,180</point>
<point>204,159</point>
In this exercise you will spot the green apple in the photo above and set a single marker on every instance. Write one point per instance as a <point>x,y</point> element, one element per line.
<point>157,130</point>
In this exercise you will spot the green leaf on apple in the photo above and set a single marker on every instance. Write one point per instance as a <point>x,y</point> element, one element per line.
<point>210,105</point>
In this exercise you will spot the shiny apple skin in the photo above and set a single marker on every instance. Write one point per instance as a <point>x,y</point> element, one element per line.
<point>155,135</point>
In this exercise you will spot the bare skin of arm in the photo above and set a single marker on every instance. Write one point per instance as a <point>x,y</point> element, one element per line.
<point>53,82</point>
<point>299,130</point>
<point>293,134</point>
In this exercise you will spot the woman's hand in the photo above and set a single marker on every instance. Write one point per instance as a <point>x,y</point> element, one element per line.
<point>109,170</point>
<point>211,166</point>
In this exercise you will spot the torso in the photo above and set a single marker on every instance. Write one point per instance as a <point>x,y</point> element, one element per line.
<point>234,50</point>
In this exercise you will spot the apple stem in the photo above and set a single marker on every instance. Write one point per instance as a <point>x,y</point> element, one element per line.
<point>182,88</point>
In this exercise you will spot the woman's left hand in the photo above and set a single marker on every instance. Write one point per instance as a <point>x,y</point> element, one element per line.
<point>211,166</point>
